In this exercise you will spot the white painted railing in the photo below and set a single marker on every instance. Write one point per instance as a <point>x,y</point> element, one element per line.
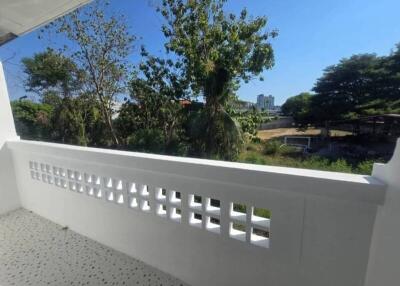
<point>200,220</point>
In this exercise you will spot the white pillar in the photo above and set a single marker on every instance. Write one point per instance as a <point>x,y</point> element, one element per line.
<point>384,258</point>
<point>7,127</point>
<point>9,198</point>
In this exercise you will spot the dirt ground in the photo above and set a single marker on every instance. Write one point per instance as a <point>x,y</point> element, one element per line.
<point>279,132</point>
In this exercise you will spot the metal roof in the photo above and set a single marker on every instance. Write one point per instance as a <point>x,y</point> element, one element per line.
<point>21,16</point>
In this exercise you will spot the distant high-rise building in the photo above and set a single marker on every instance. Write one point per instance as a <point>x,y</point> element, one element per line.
<point>260,101</point>
<point>265,102</point>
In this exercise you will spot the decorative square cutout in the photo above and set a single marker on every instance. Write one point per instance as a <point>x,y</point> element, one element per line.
<point>71,174</point>
<point>259,237</point>
<point>213,206</point>
<point>145,206</point>
<point>56,171</point>
<point>213,224</point>
<point>196,219</point>
<point>61,172</point>
<point>261,217</point>
<point>120,199</point>
<point>162,210</point>
<point>98,193</point>
<point>88,178</point>
<point>108,183</point>
<point>133,203</point>
<point>119,185</point>
<point>49,179</point>
<point>176,214</point>
<point>110,196</point>
<point>96,180</point>
<point>195,202</point>
<point>175,197</point>
<point>79,188</point>
<point>237,231</point>
<point>63,183</point>
<point>90,190</point>
<point>72,186</point>
<point>48,169</point>
<point>238,212</point>
<point>132,188</point>
<point>42,167</point>
<point>143,190</point>
<point>78,176</point>
<point>161,194</point>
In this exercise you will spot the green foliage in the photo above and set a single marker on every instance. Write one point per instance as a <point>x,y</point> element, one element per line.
<point>32,120</point>
<point>151,140</point>
<point>298,107</point>
<point>249,122</point>
<point>275,147</point>
<point>156,92</point>
<point>57,81</point>
<point>363,84</point>
<point>218,50</point>
<point>100,44</point>
<point>49,72</point>
<point>128,121</point>
<point>146,140</point>
<point>291,158</point>
<point>364,167</point>
<point>360,85</point>
<point>253,158</point>
<point>272,147</point>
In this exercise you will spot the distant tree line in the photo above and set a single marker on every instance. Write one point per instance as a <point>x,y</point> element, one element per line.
<point>208,54</point>
<point>361,85</point>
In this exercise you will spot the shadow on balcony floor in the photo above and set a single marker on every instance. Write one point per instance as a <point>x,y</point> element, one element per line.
<point>35,251</point>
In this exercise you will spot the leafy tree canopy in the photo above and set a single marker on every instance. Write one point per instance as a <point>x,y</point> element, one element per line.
<point>298,107</point>
<point>51,71</point>
<point>361,84</point>
<point>218,50</point>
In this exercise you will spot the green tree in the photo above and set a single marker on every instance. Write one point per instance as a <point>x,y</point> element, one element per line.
<point>32,120</point>
<point>52,73</point>
<point>100,45</point>
<point>218,51</point>
<point>156,90</point>
<point>58,82</point>
<point>299,107</point>
<point>359,85</point>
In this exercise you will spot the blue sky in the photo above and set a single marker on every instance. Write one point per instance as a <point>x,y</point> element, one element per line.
<point>313,34</point>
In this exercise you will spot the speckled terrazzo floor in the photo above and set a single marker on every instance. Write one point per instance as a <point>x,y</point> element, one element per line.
<point>35,251</point>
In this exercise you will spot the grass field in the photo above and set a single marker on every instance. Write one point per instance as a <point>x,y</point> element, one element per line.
<point>271,151</point>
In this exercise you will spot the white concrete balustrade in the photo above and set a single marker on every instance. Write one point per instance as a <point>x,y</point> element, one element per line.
<point>210,222</point>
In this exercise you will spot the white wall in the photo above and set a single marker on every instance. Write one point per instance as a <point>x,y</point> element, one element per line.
<point>9,198</point>
<point>383,267</point>
<point>321,222</point>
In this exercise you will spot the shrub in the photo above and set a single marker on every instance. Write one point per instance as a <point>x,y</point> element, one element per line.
<point>271,147</point>
<point>364,167</point>
<point>254,158</point>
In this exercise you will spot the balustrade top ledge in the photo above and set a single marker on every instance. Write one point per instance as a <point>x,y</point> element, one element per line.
<point>350,187</point>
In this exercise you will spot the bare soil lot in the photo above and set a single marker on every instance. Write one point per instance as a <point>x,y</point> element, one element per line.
<point>279,132</point>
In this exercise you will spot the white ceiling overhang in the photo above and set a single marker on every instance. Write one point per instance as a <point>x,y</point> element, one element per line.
<point>18,17</point>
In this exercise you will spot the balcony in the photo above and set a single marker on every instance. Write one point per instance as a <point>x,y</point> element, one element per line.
<point>181,220</point>
<point>72,215</point>
<point>181,215</point>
